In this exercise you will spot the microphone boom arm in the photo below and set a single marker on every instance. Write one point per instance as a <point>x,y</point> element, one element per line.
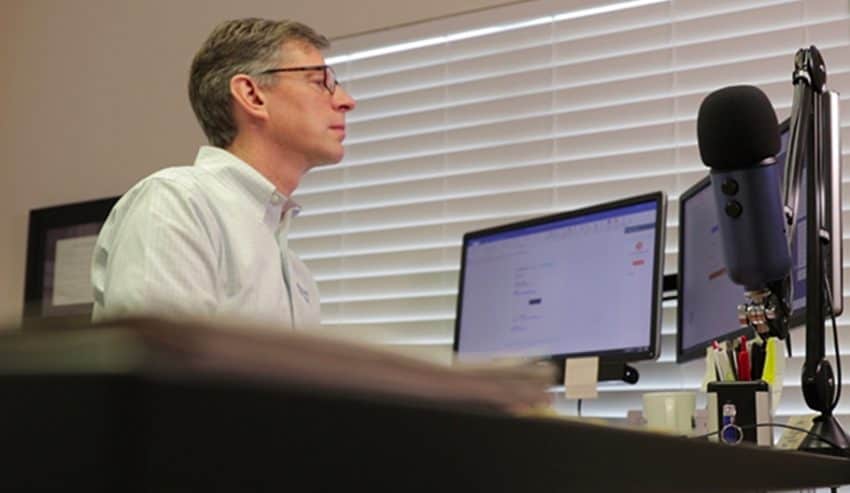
<point>808,130</point>
<point>767,310</point>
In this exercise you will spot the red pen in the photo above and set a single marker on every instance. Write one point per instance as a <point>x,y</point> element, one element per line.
<point>744,361</point>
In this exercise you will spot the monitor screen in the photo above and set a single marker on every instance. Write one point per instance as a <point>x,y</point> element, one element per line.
<point>580,283</point>
<point>707,298</point>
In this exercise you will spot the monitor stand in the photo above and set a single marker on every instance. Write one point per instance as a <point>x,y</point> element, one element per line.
<point>618,371</point>
<point>608,370</point>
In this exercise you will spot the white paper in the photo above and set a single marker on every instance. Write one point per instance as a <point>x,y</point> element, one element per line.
<point>71,272</point>
<point>710,368</point>
<point>791,439</point>
<point>581,377</point>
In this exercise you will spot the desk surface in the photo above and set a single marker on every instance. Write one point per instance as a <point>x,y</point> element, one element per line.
<point>120,428</point>
<point>109,433</point>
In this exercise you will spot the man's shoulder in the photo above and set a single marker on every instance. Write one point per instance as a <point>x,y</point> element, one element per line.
<point>166,188</point>
<point>184,181</point>
<point>180,177</point>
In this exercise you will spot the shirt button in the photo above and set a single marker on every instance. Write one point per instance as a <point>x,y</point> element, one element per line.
<point>276,198</point>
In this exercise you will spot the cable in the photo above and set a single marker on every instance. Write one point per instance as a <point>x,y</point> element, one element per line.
<point>828,295</point>
<point>776,425</point>
<point>837,360</point>
<point>789,308</point>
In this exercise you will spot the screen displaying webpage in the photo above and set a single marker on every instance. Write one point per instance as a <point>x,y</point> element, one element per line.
<point>709,299</point>
<point>577,285</point>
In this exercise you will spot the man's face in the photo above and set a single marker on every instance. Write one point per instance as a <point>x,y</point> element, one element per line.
<point>306,122</point>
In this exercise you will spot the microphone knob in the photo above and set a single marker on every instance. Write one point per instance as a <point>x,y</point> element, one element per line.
<point>733,209</point>
<point>729,187</point>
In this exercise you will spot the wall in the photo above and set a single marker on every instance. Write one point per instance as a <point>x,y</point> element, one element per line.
<point>93,97</point>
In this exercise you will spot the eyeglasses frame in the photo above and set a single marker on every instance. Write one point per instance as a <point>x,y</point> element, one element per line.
<point>325,68</point>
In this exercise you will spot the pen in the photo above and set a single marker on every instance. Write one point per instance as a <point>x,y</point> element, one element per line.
<point>730,353</point>
<point>744,361</point>
<point>757,360</point>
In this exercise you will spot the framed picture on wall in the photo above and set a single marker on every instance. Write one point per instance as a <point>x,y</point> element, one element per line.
<point>60,244</point>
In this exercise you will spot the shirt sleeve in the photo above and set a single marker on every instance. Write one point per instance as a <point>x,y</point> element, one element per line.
<point>157,255</point>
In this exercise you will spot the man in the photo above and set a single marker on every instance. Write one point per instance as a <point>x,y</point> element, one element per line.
<point>210,240</point>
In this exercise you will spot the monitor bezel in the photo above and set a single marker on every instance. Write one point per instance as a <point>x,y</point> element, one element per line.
<point>615,355</point>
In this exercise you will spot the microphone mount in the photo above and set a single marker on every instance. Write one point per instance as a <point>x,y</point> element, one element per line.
<point>765,312</point>
<point>807,130</point>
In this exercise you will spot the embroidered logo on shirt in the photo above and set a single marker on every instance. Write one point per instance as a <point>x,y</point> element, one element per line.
<point>304,293</point>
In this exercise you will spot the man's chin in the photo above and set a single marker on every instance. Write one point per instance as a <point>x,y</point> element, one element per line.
<point>330,160</point>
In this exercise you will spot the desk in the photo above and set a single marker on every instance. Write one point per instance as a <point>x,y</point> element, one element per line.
<point>123,429</point>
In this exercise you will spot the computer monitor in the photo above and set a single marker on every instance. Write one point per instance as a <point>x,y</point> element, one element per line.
<point>707,299</point>
<point>579,283</point>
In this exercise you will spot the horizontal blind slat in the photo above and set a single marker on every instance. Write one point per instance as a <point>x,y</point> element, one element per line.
<point>487,130</point>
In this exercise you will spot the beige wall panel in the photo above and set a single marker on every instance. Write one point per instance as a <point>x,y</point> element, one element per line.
<point>93,95</point>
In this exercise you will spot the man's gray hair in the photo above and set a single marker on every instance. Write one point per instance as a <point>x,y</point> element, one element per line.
<point>242,46</point>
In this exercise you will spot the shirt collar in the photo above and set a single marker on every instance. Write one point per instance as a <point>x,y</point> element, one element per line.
<point>241,176</point>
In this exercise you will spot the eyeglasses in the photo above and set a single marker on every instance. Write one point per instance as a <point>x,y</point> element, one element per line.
<point>329,81</point>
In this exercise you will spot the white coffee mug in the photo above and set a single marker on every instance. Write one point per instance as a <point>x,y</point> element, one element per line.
<point>670,411</point>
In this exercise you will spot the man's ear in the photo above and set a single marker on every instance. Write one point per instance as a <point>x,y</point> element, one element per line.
<point>248,95</point>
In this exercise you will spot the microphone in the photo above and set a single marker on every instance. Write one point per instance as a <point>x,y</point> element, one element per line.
<point>738,137</point>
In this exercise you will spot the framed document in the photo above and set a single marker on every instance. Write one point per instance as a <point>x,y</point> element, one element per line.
<point>59,251</point>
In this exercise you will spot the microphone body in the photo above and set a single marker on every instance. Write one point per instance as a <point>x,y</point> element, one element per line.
<point>738,137</point>
<point>754,245</point>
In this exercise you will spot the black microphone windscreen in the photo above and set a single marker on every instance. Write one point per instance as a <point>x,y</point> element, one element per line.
<point>737,128</point>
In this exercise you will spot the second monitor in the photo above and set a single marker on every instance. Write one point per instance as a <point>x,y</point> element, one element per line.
<point>707,298</point>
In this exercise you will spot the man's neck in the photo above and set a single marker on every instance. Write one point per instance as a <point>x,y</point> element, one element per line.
<point>284,174</point>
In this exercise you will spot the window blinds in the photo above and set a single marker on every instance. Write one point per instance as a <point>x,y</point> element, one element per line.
<point>534,108</point>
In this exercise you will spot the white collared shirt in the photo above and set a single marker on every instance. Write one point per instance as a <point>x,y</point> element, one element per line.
<point>209,241</point>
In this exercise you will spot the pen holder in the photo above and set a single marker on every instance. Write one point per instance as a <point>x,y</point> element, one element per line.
<point>735,408</point>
